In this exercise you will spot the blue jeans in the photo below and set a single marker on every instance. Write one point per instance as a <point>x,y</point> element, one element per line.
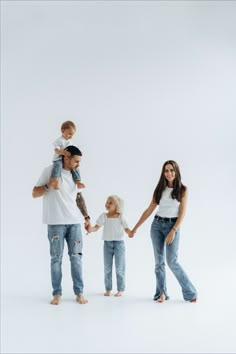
<point>159,232</point>
<point>57,167</point>
<point>117,249</point>
<point>73,236</point>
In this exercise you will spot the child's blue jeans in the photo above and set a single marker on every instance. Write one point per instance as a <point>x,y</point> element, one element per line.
<point>57,167</point>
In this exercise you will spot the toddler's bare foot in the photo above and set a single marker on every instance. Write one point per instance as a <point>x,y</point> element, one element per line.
<point>56,300</point>
<point>161,298</point>
<point>119,293</point>
<point>81,299</point>
<point>107,293</point>
<point>80,184</point>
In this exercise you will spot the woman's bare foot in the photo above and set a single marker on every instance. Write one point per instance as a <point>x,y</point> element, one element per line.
<point>162,298</point>
<point>119,293</point>
<point>56,300</point>
<point>107,293</point>
<point>81,299</point>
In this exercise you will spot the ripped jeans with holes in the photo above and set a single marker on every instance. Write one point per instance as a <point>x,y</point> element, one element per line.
<point>57,235</point>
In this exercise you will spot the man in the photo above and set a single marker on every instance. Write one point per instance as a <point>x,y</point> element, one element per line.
<point>61,214</point>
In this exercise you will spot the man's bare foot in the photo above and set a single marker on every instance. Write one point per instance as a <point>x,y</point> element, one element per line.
<point>56,300</point>
<point>161,298</point>
<point>107,293</point>
<point>119,293</point>
<point>80,184</point>
<point>81,299</point>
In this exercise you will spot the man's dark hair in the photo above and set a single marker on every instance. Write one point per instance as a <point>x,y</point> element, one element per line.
<point>73,150</point>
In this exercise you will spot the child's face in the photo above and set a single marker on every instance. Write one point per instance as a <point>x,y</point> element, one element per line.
<point>110,205</point>
<point>68,133</point>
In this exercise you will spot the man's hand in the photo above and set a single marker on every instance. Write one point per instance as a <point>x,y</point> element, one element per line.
<point>87,225</point>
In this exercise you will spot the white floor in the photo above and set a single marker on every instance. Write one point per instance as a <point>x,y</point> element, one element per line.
<point>132,324</point>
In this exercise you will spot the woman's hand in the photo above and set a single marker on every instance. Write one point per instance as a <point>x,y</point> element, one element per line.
<point>131,233</point>
<point>170,237</point>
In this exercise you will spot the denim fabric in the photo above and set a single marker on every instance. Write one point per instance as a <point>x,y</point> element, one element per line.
<point>117,249</point>
<point>57,167</point>
<point>73,236</point>
<point>159,232</point>
<point>76,175</point>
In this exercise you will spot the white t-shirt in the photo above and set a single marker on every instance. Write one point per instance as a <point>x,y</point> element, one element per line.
<point>60,144</point>
<point>59,206</point>
<point>168,207</point>
<point>113,229</point>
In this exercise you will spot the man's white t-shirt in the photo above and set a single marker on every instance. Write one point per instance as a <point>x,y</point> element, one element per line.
<point>113,229</point>
<point>59,206</point>
<point>60,144</point>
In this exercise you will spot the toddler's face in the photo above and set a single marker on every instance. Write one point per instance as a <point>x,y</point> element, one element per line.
<point>68,133</point>
<point>110,205</point>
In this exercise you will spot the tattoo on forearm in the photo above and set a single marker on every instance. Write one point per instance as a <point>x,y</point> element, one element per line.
<point>81,204</point>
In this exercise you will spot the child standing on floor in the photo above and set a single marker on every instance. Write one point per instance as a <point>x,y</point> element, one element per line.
<point>113,235</point>
<point>68,129</point>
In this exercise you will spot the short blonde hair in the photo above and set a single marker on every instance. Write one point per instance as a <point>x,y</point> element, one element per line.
<point>67,125</point>
<point>118,202</point>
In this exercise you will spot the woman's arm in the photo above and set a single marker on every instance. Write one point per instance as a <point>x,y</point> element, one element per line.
<point>182,209</point>
<point>152,206</point>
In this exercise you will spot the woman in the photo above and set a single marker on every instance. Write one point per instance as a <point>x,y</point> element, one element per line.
<point>171,196</point>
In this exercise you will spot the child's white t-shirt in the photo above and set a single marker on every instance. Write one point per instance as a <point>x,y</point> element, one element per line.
<point>60,144</point>
<point>113,229</point>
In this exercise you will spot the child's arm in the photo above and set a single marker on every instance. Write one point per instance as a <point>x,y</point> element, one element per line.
<point>62,152</point>
<point>94,228</point>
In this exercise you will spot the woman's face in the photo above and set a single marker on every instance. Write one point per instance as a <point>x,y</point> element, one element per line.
<point>110,205</point>
<point>169,174</point>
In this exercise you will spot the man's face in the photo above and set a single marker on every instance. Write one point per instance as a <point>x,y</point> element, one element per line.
<point>72,162</point>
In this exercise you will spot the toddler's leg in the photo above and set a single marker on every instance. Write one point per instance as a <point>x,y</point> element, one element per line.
<point>56,172</point>
<point>77,179</point>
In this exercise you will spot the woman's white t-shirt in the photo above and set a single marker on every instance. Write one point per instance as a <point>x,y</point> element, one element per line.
<point>168,207</point>
<point>113,229</point>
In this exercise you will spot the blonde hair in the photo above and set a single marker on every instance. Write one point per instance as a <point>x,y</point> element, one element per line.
<point>118,202</point>
<point>67,125</point>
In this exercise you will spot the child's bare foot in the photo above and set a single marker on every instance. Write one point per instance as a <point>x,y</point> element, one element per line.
<point>119,293</point>
<point>56,300</point>
<point>107,293</point>
<point>162,298</point>
<point>81,299</point>
<point>80,184</point>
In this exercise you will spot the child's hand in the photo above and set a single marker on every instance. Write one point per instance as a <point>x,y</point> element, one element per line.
<point>67,153</point>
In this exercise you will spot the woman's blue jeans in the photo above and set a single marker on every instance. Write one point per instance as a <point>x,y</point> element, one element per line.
<point>57,234</point>
<point>159,232</point>
<point>117,249</point>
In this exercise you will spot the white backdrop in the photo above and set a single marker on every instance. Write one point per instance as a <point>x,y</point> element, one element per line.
<point>144,82</point>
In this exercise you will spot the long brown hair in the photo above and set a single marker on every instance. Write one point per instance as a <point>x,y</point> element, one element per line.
<point>178,187</point>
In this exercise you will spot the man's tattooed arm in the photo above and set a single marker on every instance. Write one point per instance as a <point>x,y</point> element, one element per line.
<point>81,205</point>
